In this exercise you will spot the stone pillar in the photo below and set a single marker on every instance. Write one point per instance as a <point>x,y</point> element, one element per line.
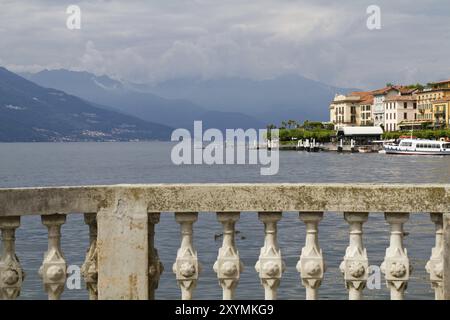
<point>311,264</point>
<point>435,266</point>
<point>270,265</point>
<point>396,266</point>
<point>446,222</point>
<point>122,247</point>
<point>89,270</point>
<point>186,267</point>
<point>156,267</point>
<point>11,272</point>
<point>54,268</point>
<point>228,265</point>
<point>355,266</point>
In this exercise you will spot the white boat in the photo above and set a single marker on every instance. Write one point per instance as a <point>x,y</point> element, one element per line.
<point>365,149</point>
<point>418,147</point>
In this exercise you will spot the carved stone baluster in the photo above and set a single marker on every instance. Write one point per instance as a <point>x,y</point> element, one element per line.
<point>54,268</point>
<point>355,266</point>
<point>270,265</point>
<point>186,266</point>
<point>446,241</point>
<point>89,270</point>
<point>155,266</point>
<point>228,266</point>
<point>11,273</point>
<point>311,265</point>
<point>396,266</point>
<point>435,266</point>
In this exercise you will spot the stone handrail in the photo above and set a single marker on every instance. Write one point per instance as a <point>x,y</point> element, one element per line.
<point>122,262</point>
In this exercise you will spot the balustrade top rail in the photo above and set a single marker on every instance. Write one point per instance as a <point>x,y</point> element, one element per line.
<point>229,198</point>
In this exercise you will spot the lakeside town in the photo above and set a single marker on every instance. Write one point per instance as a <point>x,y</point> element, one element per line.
<point>366,120</point>
<point>395,107</point>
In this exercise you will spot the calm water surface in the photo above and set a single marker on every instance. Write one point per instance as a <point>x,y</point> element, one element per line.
<point>57,164</point>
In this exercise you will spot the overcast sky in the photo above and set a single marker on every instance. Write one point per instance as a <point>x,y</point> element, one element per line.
<point>156,40</point>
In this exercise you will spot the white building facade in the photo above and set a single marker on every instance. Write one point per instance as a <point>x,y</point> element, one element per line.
<point>378,110</point>
<point>399,109</point>
<point>354,109</point>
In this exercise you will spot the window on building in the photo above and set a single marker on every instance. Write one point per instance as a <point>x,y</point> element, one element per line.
<point>405,116</point>
<point>415,105</point>
<point>405,105</point>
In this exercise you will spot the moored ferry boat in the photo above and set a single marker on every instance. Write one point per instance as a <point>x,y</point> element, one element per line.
<point>418,147</point>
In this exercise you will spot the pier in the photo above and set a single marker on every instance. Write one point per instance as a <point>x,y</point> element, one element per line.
<point>122,261</point>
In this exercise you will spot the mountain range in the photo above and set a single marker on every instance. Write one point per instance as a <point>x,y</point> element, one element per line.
<point>130,99</point>
<point>219,103</point>
<point>29,112</point>
<point>269,101</point>
<point>63,105</point>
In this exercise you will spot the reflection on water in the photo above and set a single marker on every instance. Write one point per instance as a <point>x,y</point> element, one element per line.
<point>47,164</point>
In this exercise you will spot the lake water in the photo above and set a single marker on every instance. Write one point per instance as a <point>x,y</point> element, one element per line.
<point>58,164</point>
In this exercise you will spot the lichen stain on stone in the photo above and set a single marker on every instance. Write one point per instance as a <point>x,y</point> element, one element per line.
<point>136,225</point>
<point>132,282</point>
<point>103,201</point>
<point>135,193</point>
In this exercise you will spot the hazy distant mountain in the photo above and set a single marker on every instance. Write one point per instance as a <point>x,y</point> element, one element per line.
<point>271,101</point>
<point>29,112</point>
<point>138,101</point>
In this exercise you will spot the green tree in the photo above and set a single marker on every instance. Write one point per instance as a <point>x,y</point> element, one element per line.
<point>416,86</point>
<point>292,124</point>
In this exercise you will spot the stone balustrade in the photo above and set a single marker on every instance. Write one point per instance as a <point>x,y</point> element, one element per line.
<point>122,261</point>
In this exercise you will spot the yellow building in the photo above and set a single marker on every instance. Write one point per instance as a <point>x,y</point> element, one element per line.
<point>433,103</point>
<point>441,110</point>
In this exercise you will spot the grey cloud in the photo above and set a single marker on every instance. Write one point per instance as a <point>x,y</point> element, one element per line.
<point>157,40</point>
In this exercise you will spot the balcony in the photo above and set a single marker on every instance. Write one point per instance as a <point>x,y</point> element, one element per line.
<point>122,261</point>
